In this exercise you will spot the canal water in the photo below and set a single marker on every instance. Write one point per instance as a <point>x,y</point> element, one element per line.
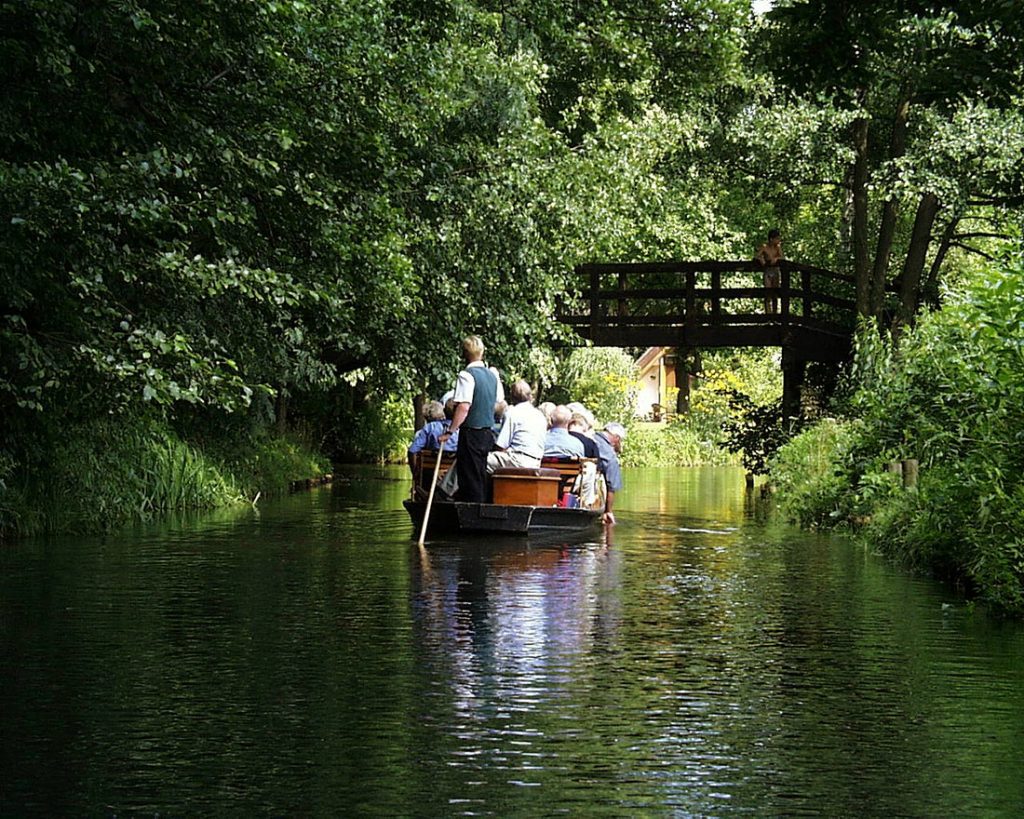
<point>308,659</point>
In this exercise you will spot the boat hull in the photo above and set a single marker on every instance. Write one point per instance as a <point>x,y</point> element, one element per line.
<point>490,517</point>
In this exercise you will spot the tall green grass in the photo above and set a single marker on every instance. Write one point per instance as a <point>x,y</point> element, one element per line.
<point>674,444</point>
<point>102,474</point>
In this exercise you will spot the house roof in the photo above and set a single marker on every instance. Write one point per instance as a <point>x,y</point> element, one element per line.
<point>650,357</point>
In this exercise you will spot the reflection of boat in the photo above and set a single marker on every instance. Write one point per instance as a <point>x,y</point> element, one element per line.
<point>525,500</point>
<point>499,517</point>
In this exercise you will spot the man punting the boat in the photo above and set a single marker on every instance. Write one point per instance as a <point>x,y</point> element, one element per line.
<point>477,390</point>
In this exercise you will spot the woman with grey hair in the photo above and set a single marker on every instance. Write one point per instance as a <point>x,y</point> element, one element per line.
<point>428,436</point>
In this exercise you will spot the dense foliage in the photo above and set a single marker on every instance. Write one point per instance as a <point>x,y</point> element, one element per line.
<point>951,396</point>
<point>226,219</point>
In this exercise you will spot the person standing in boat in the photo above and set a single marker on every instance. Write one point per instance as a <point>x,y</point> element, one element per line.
<point>477,390</point>
<point>609,444</point>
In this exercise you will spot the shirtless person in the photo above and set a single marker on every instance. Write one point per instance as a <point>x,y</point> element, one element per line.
<point>768,256</point>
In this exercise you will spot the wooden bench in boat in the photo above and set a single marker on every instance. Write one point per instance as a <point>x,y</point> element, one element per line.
<point>516,486</point>
<point>423,464</point>
<point>568,470</point>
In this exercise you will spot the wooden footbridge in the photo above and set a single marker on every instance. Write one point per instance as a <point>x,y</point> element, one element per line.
<point>709,304</point>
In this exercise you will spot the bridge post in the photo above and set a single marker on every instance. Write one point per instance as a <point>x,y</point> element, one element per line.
<point>595,302</point>
<point>794,368</point>
<point>687,365</point>
<point>784,287</point>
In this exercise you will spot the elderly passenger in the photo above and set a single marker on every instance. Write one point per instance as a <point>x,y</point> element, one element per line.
<point>547,408</point>
<point>559,443</point>
<point>427,437</point>
<point>521,440</point>
<point>609,442</point>
<point>580,429</point>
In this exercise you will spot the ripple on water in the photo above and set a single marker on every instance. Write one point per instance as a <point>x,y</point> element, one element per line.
<point>307,657</point>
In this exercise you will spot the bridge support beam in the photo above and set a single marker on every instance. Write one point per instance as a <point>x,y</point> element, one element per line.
<point>794,369</point>
<point>688,365</point>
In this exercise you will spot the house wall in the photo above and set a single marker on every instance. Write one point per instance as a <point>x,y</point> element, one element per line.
<point>650,391</point>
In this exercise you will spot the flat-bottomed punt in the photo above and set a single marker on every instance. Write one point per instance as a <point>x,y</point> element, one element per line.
<point>525,500</point>
<point>448,516</point>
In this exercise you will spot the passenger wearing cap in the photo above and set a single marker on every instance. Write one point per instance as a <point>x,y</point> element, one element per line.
<point>609,444</point>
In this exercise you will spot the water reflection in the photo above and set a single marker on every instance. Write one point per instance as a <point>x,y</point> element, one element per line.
<point>510,616</point>
<point>310,659</point>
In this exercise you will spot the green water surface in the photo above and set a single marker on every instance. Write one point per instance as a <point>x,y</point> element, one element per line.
<point>308,659</point>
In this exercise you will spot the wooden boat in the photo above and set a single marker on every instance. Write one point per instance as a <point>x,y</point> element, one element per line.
<point>525,500</point>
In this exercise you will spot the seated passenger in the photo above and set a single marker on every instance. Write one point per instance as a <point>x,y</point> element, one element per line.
<point>426,437</point>
<point>521,440</point>
<point>547,408</point>
<point>499,416</point>
<point>610,443</point>
<point>559,443</point>
<point>579,428</point>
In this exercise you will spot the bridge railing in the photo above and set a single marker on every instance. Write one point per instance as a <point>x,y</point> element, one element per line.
<point>710,293</point>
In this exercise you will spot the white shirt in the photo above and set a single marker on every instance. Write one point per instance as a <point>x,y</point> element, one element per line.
<point>466,384</point>
<point>523,430</point>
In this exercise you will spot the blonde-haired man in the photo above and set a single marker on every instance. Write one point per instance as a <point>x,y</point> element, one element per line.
<point>477,390</point>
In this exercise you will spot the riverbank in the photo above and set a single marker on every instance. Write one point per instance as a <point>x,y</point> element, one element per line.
<point>103,474</point>
<point>948,396</point>
<point>672,444</point>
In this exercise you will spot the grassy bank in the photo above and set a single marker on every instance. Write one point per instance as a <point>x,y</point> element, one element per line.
<point>672,444</point>
<point>950,395</point>
<point>105,473</point>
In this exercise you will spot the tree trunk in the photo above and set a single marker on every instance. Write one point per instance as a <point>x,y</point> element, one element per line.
<point>418,402</point>
<point>861,271</point>
<point>930,286</point>
<point>920,238</point>
<point>887,229</point>
<point>281,411</point>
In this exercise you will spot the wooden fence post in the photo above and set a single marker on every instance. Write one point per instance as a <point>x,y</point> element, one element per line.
<point>910,469</point>
<point>784,285</point>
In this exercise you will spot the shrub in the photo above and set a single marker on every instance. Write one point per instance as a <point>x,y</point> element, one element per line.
<point>675,444</point>
<point>103,473</point>
<point>811,473</point>
<point>603,379</point>
<point>950,394</point>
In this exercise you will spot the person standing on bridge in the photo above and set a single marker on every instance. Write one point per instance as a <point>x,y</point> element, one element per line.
<point>768,256</point>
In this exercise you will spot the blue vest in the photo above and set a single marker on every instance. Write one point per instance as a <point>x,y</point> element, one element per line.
<point>485,394</point>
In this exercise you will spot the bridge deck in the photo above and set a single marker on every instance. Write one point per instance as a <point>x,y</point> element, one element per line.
<point>712,304</point>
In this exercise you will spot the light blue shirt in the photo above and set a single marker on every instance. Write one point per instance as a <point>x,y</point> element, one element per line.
<point>560,444</point>
<point>608,463</point>
<point>523,430</point>
<point>427,436</point>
